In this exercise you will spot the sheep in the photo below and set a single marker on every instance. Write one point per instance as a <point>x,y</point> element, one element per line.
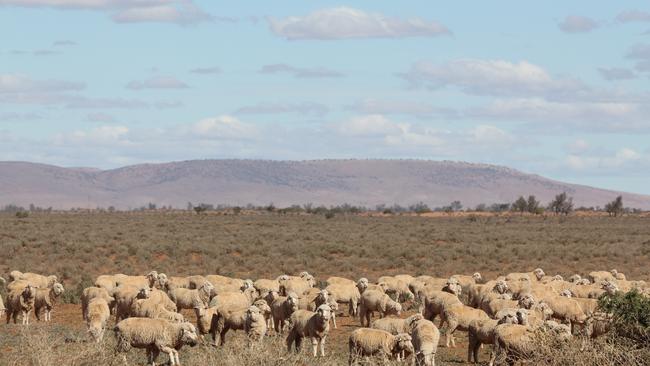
<point>394,286</point>
<point>90,293</point>
<point>435,301</point>
<point>185,298</point>
<point>366,342</point>
<point>517,341</point>
<point>21,301</point>
<point>425,337</point>
<point>14,275</point>
<point>155,335</point>
<point>264,286</point>
<point>161,297</point>
<point>372,300</point>
<point>227,318</point>
<point>36,280</point>
<point>97,315</point>
<point>481,331</point>
<point>193,282</point>
<point>107,282</point>
<point>124,296</point>
<point>255,326</point>
<point>465,281</point>
<point>575,278</point>
<point>240,299</point>
<point>395,326</point>
<point>567,310</point>
<point>265,310</point>
<point>600,276</point>
<point>345,293</point>
<point>589,306</point>
<point>339,281</point>
<point>45,299</point>
<point>150,308</point>
<point>150,280</point>
<point>297,285</point>
<point>227,284</point>
<point>281,309</point>
<point>314,325</point>
<point>459,316</point>
<point>493,306</point>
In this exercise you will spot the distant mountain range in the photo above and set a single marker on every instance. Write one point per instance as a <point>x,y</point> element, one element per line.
<point>260,182</point>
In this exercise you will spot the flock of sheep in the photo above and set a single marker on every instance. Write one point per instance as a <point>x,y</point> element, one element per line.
<point>509,312</point>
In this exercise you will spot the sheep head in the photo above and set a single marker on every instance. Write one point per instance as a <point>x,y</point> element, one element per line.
<point>527,301</point>
<point>143,293</point>
<point>188,334</point>
<point>539,273</point>
<point>403,342</point>
<point>522,316</point>
<point>507,316</point>
<point>58,289</point>
<point>29,292</point>
<point>412,320</point>
<point>393,308</point>
<point>501,287</point>
<point>324,312</point>
<point>292,300</point>
<point>477,277</point>
<point>575,278</point>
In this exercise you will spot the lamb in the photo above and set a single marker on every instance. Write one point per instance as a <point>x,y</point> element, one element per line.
<point>282,308</point>
<point>345,293</point>
<point>314,325</point>
<point>154,335</point>
<point>372,300</point>
<point>366,342</point>
<point>45,299</point>
<point>124,296</point>
<point>150,308</point>
<point>185,298</point>
<point>396,326</point>
<point>90,293</point>
<point>97,315</point>
<point>459,316</point>
<point>21,301</point>
<point>425,337</point>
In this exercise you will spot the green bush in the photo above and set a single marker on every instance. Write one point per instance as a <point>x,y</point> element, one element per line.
<point>631,315</point>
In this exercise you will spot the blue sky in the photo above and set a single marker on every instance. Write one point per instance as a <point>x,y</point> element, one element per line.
<point>559,90</point>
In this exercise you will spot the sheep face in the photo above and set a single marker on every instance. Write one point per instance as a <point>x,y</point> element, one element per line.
<point>527,301</point>
<point>575,278</point>
<point>58,289</point>
<point>522,316</point>
<point>144,293</point>
<point>152,277</point>
<point>188,335</point>
<point>393,308</point>
<point>477,277</point>
<point>292,300</point>
<point>501,287</point>
<point>412,320</point>
<point>566,293</point>
<point>403,343</point>
<point>547,312</point>
<point>324,312</point>
<point>539,273</point>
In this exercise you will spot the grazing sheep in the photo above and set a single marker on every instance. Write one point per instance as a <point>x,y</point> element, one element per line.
<point>459,316</point>
<point>206,321</point>
<point>185,298</point>
<point>240,299</point>
<point>21,301</point>
<point>296,285</point>
<point>227,319</point>
<point>435,301</point>
<point>264,286</point>
<point>372,300</point>
<point>154,335</point>
<point>107,282</point>
<point>124,296</point>
<point>566,310</point>
<point>282,308</point>
<point>37,280</point>
<point>396,326</point>
<point>396,287</point>
<point>90,293</point>
<point>518,342</point>
<point>150,308</point>
<point>163,299</point>
<point>97,315</point>
<point>481,331</point>
<point>425,337</point>
<point>366,342</point>
<point>339,281</point>
<point>345,294</point>
<point>314,325</point>
<point>589,306</point>
<point>45,300</point>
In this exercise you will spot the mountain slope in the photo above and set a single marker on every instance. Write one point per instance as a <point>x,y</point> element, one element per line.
<point>238,182</point>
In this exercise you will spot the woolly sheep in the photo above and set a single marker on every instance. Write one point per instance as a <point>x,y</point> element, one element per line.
<point>97,315</point>
<point>465,281</point>
<point>366,342</point>
<point>313,325</point>
<point>154,335</point>
<point>282,308</point>
<point>163,299</point>
<point>239,299</point>
<point>107,282</point>
<point>151,308</point>
<point>567,310</point>
<point>230,319</point>
<point>600,276</point>
<point>21,301</point>
<point>396,326</point>
<point>436,301</point>
<point>90,293</point>
<point>124,296</point>
<point>459,316</point>
<point>589,306</point>
<point>518,342</point>
<point>297,285</point>
<point>37,280</point>
<point>190,298</point>
<point>425,337</point>
<point>372,300</point>
<point>481,331</point>
<point>264,286</point>
<point>45,299</point>
<point>339,281</point>
<point>255,326</point>
<point>265,310</point>
<point>149,280</point>
<point>396,287</point>
<point>345,294</point>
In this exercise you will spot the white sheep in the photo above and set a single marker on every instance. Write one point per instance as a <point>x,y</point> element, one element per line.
<point>34,279</point>
<point>46,299</point>
<point>154,335</point>
<point>293,284</point>
<point>566,310</point>
<point>396,326</point>
<point>282,308</point>
<point>481,331</point>
<point>239,299</point>
<point>372,300</point>
<point>264,286</point>
<point>107,282</point>
<point>435,302</point>
<point>345,293</point>
<point>255,324</point>
<point>124,296</point>
<point>518,341</point>
<point>339,281</point>
<point>90,293</point>
<point>185,298</point>
<point>265,310</point>
<point>366,342</point>
<point>396,287</point>
<point>22,302</point>
<point>425,337</point>
<point>97,315</point>
<point>459,316</point>
<point>151,308</point>
<point>313,325</point>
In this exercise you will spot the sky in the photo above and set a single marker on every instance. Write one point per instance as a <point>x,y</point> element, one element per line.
<point>559,89</point>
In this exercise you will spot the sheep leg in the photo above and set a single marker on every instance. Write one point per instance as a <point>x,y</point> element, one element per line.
<point>334,319</point>
<point>314,346</point>
<point>178,361</point>
<point>290,339</point>
<point>450,333</point>
<point>170,352</point>
<point>322,346</point>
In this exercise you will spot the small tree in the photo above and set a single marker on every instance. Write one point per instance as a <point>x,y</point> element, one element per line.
<point>532,205</point>
<point>456,206</point>
<point>520,205</point>
<point>562,204</point>
<point>615,207</point>
<point>420,208</point>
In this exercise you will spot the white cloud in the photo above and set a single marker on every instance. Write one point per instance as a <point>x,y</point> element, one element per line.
<point>491,77</point>
<point>577,24</point>
<point>616,73</point>
<point>181,12</point>
<point>100,117</point>
<point>102,135</point>
<point>306,108</point>
<point>490,135</point>
<point>405,107</point>
<point>348,23</point>
<point>18,84</point>
<point>578,146</point>
<point>300,72</point>
<point>633,16</point>
<point>624,158</point>
<point>157,82</point>
<point>224,127</point>
<point>206,70</point>
<point>368,126</point>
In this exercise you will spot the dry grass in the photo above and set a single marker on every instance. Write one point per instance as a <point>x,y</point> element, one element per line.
<point>82,246</point>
